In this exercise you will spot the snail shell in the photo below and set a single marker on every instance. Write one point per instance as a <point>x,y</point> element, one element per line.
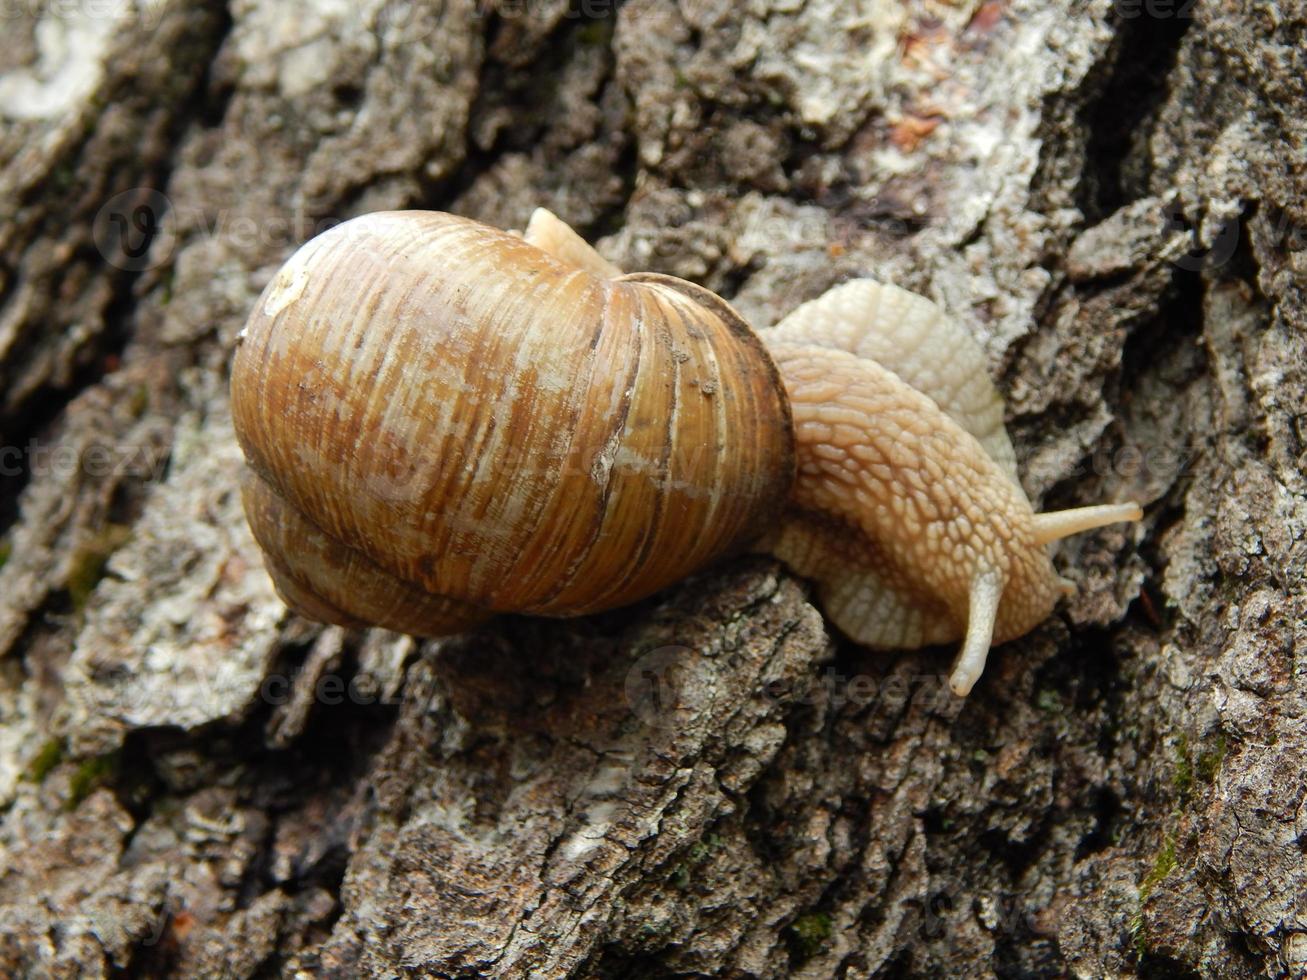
<point>442,421</point>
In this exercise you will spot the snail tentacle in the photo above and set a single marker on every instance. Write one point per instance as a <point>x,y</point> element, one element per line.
<point>986,591</point>
<point>1054,525</point>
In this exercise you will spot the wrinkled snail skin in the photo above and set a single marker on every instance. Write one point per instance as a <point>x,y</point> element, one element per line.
<point>912,533</point>
<point>907,512</point>
<point>443,420</point>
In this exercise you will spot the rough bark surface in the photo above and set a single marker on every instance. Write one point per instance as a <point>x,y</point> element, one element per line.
<point>1109,195</point>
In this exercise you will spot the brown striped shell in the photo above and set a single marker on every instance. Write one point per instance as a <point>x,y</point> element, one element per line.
<point>441,420</point>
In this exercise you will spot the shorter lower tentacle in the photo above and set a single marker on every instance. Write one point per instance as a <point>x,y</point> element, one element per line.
<point>986,591</point>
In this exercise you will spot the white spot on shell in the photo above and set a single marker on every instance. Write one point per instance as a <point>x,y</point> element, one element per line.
<point>286,289</point>
<point>601,467</point>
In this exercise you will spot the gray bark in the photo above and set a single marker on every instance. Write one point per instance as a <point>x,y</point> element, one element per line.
<point>1110,196</point>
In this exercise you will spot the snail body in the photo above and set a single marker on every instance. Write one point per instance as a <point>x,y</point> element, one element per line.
<point>443,421</point>
<point>907,511</point>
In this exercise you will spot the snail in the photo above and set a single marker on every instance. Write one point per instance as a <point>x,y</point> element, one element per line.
<point>443,421</point>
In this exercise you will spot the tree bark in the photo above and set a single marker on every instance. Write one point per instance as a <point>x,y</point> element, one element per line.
<point>1109,195</point>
